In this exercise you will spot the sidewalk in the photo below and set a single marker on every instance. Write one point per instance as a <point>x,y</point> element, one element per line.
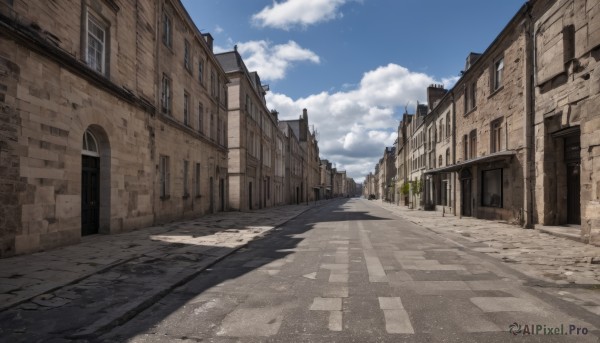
<point>184,248</point>
<point>552,259</point>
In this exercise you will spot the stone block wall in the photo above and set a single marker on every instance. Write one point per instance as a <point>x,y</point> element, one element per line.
<point>567,99</point>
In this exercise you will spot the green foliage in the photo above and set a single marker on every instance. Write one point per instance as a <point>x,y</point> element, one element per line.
<point>417,186</point>
<point>405,189</point>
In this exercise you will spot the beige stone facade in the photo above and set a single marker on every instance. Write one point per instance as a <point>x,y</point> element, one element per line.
<point>567,120</point>
<point>83,123</point>
<point>252,134</point>
<point>516,136</point>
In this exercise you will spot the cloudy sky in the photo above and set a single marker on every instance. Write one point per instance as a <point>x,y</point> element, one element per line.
<point>354,64</point>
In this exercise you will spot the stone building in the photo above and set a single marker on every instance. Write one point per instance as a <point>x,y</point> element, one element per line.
<point>566,123</point>
<point>326,180</point>
<point>402,167</point>
<point>294,181</point>
<point>416,156</point>
<point>492,104</point>
<point>112,118</point>
<point>387,174</point>
<point>311,172</point>
<point>252,133</point>
<point>439,184</point>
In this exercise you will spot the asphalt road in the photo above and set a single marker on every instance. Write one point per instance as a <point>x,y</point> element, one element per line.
<point>350,271</point>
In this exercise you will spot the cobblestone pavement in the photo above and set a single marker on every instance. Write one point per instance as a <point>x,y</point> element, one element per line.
<point>208,238</point>
<point>564,267</point>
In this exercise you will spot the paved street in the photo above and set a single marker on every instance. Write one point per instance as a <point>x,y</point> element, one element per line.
<point>345,270</point>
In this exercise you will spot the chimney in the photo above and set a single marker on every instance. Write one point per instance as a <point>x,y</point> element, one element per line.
<point>471,59</point>
<point>209,40</point>
<point>434,94</point>
<point>305,114</point>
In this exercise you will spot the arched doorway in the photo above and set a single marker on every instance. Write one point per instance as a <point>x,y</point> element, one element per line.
<point>90,185</point>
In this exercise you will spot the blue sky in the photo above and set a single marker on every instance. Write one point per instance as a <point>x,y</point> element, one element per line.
<point>354,64</point>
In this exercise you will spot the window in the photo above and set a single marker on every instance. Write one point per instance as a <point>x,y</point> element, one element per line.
<point>201,71</point>
<point>186,109</point>
<point>473,144</point>
<point>197,180</point>
<point>441,129</point>
<point>219,135</point>
<point>187,62</point>
<point>164,176</point>
<point>448,156</point>
<point>491,186</point>
<point>167,30</point>
<point>166,95</point>
<point>247,104</point>
<point>448,127</point>
<point>496,135</point>
<point>213,84</point>
<point>90,146</point>
<point>498,71</point>
<point>440,161</point>
<point>96,45</point>
<point>186,179</point>
<point>466,147</point>
<point>212,126</point>
<point>470,97</point>
<point>200,118</point>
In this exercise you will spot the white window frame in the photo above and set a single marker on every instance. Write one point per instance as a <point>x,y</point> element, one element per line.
<point>98,23</point>
<point>498,73</point>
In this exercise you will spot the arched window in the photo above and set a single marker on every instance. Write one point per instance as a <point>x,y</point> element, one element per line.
<point>90,145</point>
<point>440,161</point>
<point>448,156</point>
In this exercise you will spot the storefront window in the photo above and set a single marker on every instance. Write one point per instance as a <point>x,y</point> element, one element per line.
<point>491,195</point>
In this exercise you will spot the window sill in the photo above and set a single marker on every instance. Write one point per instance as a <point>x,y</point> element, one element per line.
<point>198,196</point>
<point>496,91</point>
<point>471,110</point>
<point>185,196</point>
<point>165,197</point>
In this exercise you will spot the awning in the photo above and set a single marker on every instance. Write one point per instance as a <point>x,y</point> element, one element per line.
<point>497,156</point>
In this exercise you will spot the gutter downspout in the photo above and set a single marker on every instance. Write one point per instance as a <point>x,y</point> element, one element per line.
<point>454,175</point>
<point>529,104</point>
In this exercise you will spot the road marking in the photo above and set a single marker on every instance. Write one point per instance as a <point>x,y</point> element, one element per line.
<point>311,276</point>
<point>504,304</point>
<point>338,276</point>
<point>390,303</point>
<point>326,304</point>
<point>397,321</point>
<point>335,321</point>
<point>374,268</point>
<point>396,318</point>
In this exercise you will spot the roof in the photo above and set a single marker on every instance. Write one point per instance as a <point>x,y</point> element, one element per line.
<point>497,156</point>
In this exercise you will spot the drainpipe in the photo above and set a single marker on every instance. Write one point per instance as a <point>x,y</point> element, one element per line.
<point>454,175</point>
<point>529,104</point>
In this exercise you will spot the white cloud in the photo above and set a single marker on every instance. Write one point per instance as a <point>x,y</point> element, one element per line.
<point>355,125</point>
<point>273,61</point>
<point>290,13</point>
<point>218,29</point>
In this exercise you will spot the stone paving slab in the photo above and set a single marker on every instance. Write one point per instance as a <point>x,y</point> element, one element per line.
<point>551,259</point>
<point>26,277</point>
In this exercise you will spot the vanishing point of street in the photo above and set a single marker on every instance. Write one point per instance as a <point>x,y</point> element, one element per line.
<point>346,270</point>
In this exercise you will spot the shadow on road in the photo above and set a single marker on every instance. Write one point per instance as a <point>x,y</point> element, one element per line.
<point>88,301</point>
